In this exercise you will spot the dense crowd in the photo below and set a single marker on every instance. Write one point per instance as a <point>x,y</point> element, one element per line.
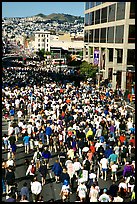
<point>93,135</point>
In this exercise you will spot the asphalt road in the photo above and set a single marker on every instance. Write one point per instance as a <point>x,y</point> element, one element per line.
<point>51,189</point>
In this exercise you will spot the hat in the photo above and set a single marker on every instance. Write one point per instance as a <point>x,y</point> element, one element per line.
<point>105,190</point>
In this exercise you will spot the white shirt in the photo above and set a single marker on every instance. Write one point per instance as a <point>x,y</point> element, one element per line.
<point>118,199</point>
<point>36,187</point>
<point>114,167</point>
<point>104,162</point>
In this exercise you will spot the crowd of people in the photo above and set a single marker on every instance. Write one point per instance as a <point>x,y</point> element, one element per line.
<point>93,136</point>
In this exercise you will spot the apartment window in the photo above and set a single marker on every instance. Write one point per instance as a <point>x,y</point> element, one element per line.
<point>111,13</point>
<point>110,54</point>
<point>110,35</point>
<point>120,11</point>
<point>47,36</point>
<point>87,6</point>
<point>103,35</point>
<point>47,40</point>
<point>43,40</point>
<point>38,35</point>
<point>132,10</point>
<point>38,40</point>
<point>42,35</point>
<point>91,35</point>
<point>91,18</point>
<point>38,45</point>
<point>119,55</point>
<point>104,15</point>
<point>131,57</point>
<point>97,17</point>
<point>96,39</point>
<point>131,34</point>
<point>86,19</point>
<point>119,34</point>
<point>86,36</point>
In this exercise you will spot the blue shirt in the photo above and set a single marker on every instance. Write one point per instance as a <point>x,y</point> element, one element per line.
<point>26,139</point>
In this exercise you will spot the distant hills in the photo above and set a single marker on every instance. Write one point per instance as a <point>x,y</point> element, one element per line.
<point>61,17</point>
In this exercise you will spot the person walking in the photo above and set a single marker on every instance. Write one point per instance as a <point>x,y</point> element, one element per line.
<point>82,191</point>
<point>36,188</point>
<point>57,169</point>
<point>46,155</point>
<point>24,191</point>
<point>37,157</point>
<point>26,140</point>
<point>43,172</point>
<point>104,167</point>
<point>10,179</point>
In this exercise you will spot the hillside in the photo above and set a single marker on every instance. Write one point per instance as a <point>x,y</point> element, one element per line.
<point>61,17</point>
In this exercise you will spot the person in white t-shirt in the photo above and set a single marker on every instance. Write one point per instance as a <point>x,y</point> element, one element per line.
<point>118,198</point>
<point>114,168</point>
<point>104,167</point>
<point>82,191</point>
<point>104,197</point>
<point>93,194</point>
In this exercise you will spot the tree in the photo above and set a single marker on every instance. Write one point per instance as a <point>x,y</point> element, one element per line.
<point>41,54</point>
<point>88,70</point>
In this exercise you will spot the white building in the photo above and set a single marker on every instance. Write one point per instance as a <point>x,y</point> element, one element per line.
<point>42,40</point>
<point>110,31</point>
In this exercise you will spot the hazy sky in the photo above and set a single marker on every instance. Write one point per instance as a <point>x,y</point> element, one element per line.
<point>24,9</point>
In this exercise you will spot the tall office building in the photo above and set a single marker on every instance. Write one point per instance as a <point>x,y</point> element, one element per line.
<point>109,41</point>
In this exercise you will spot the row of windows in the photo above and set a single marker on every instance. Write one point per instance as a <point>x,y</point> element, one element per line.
<point>43,45</point>
<point>89,5</point>
<point>109,35</point>
<point>109,14</point>
<point>43,35</point>
<point>42,40</point>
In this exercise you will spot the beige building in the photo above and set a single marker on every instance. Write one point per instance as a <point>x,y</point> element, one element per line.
<point>109,40</point>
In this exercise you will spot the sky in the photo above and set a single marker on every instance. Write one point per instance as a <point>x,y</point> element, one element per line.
<point>26,9</point>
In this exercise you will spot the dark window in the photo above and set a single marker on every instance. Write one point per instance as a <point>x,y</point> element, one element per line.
<point>103,35</point>
<point>119,55</point>
<point>131,35</point>
<point>111,12</point>
<point>110,54</point>
<point>91,4</point>
<point>91,18</point>
<point>86,19</point>
<point>86,5</point>
<point>38,35</point>
<point>119,34</point>
<point>86,36</point>
<point>91,35</point>
<point>38,45</point>
<point>120,11</point>
<point>104,15</point>
<point>110,35</point>
<point>98,3</point>
<point>96,39</point>
<point>132,10</point>
<point>97,17</point>
<point>131,57</point>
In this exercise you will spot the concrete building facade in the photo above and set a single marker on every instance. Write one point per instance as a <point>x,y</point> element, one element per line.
<point>109,30</point>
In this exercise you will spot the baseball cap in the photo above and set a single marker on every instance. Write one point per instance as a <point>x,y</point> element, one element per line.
<point>105,190</point>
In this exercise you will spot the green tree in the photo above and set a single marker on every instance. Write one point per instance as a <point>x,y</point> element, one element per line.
<point>88,69</point>
<point>41,53</point>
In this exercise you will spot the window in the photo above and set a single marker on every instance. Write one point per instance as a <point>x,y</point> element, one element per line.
<point>110,54</point>
<point>103,35</point>
<point>132,10</point>
<point>120,11</point>
<point>86,36</point>
<point>110,35</point>
<point>86,5</point>
<point>42,35</point>
<point>97,16</point>
<point>91,4</point>
<point>47,40</point>
<point>96,39</point>
<point>119,34</point>
<point>111,12</point>
<point>131,57</point>
<point>43,40</point>
<point>131,35</point>
<point>38,40</point>
<point>91,18</point>
<point>119,55</point>
<point>104,15</point>
<point>91,35</point>
<point>87,19</point>
<point>38,45</point>
<point>38,35</point>
<point>98,3</point>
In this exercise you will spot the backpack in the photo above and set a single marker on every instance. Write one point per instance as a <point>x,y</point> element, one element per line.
<point>33,169</point>
<point>38,155</point>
